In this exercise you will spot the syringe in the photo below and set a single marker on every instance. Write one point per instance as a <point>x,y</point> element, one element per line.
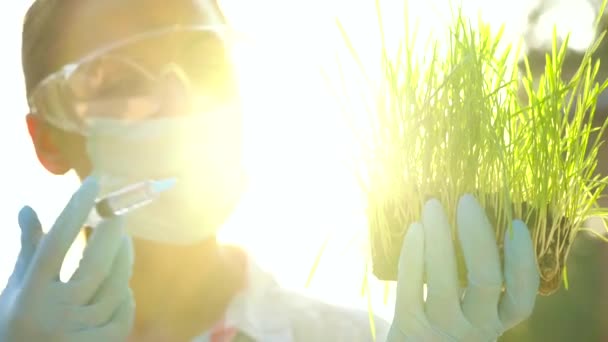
<point>128,199</point>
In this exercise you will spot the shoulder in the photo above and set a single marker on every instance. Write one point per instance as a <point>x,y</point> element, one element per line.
<point>267,311</point>
<point>313,319</point>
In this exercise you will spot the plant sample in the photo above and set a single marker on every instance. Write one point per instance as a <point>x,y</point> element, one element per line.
<point>449,121</point>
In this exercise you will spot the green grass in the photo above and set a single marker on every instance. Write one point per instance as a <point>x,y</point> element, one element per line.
<point>449,121</point>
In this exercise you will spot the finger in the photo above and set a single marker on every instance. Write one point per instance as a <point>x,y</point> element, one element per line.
<point>410,302</point>
<point>117,329</point>
<point>521,276</point>
<point>484,274</point>
<point>122,322</point>
<point>54,246</point>
<point>98,258</point>
<point>443,299</point>
<point>113,291</point>
<point>31,233</point>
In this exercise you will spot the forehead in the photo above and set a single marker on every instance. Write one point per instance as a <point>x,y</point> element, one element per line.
<point>92,24</point>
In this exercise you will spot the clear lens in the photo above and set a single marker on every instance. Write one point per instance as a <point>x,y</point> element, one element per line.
<point>129,82</point>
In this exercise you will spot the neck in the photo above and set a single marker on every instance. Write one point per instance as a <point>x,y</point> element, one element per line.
<point>184,290</point>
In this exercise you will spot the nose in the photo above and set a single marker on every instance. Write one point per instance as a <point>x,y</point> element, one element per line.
<point>174,91</point>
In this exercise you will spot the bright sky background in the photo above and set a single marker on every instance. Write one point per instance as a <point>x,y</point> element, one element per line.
<point>292,127</point>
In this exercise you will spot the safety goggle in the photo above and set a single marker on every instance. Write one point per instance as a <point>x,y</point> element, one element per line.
<point>149,75</point>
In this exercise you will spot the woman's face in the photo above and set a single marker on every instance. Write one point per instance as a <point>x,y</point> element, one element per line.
<point>94,24</point>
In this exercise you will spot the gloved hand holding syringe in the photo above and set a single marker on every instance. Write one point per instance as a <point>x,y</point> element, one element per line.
<point>96,303</point>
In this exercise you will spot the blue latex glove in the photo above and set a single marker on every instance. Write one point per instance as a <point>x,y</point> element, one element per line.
<point>96,304</point>
<point>484,312</point>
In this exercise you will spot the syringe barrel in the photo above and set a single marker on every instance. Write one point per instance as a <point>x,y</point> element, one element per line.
<point>125,199</point>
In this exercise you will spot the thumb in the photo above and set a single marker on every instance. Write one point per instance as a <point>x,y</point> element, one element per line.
<point>31,233</point>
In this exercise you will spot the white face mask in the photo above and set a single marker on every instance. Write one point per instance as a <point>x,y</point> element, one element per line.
<point>203,152</point>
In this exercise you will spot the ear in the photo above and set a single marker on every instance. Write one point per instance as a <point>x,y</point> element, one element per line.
<point>47,150</point>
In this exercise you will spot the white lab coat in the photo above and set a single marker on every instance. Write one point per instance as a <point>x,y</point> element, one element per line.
<point>268,313</point>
